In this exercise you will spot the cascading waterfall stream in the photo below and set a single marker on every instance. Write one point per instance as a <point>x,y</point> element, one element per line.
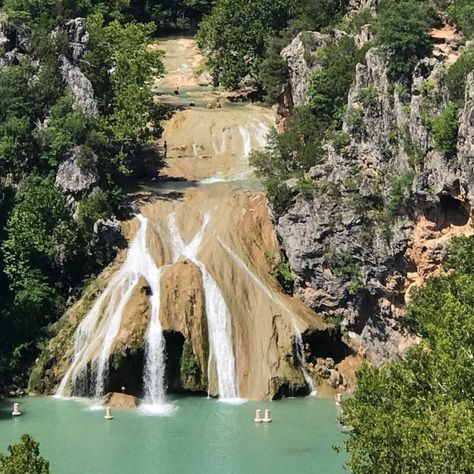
<point>298,338</point>
<point>97,332</point>
<point>218,315</point>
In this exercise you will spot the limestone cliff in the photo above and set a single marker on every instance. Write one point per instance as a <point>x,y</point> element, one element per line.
<point>385,205</point>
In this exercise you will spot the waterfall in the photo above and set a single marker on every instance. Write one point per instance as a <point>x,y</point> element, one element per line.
<point>300,358</point>
<point>218,315</point>
<point>298,338</point>
<point>246,142</point>
<point>95,335</point>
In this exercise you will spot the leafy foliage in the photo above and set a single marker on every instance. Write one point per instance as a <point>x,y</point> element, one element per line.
<point>330,83</point>
<point>444,129</point>
<point>48,251</point>
<point>416,415</point>
<point>462,13</point>
<point>406,41</point>
<point>24,458</point>
<point>235,36</point>
<point>456,75</point>
<point>400,193</point>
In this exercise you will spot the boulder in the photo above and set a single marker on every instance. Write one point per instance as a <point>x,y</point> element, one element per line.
<point>75,178</point>
<point>120,400</point>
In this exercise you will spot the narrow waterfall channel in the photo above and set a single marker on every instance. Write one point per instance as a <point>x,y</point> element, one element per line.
<point>298,338</point>
<point>218,315</point>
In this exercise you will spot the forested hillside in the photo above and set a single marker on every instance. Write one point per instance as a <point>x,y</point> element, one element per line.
<point>75,105</point>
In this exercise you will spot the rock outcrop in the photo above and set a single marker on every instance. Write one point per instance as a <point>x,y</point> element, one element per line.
<point>75,177</point>
<point>15,41</point>
<point>70,66</point>
<point>384,207</point>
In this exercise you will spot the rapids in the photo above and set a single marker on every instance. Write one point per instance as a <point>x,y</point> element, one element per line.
<point>196,280</point>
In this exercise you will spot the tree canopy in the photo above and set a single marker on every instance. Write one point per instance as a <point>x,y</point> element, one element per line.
<point>24,458</point>
<point>417,415</point>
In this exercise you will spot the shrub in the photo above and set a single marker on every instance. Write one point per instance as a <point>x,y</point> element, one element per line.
<point>24,458</point>
<point>456,75</point>
<point>400,193</point>
<point>273,72</point>
<point>279,195</point>
<point>402,31</point>
<point>444,129</point>
<point>282,272</point>
<point>354,118</point>
<point>368,96</point>
<point>306,186</point>
<point>340,141</point>
<point>330,83</point>
<point>462,13</point>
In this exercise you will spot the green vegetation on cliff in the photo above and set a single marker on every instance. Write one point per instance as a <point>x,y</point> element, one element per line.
<point>240,37</point>
<point>416,415</point>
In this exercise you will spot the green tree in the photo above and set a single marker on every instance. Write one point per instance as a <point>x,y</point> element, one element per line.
<point>444,129</point>
<point>406,40</point>
<point>234,36</point>
<point>66,128</point>
<point>122,67</point>
<point>456,75</point>
<point>24,458</point>
<point>41,234</point>
<point>462,13</point>
<point>330,83</point>
<point>416,415</point>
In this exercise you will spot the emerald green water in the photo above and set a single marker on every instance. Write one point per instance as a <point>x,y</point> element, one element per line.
<point>200,436</point>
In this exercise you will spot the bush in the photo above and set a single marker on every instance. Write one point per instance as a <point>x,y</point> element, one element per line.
<point>353,23</point>
<point>400,193</point>
<point>273,72</point>
<point>444,129</point>
<point>340,141</point>
<point>282,272</point>
<point>235,36</point>
<point>456,75</point>
<point>368,96</point>
<point>402,31</point>
<point>279,195</point>
<point>462,13</point>
<point>306,186</point>
<point>330,83</point>
<point>24,458</point>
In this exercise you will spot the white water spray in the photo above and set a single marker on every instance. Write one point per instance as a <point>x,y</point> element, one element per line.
<point>97,332</point>
<point>218,315</point>
<point>298,338</point>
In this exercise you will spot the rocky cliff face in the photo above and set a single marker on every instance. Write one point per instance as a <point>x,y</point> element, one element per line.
<point>70,66</point>
<point>384,206</point>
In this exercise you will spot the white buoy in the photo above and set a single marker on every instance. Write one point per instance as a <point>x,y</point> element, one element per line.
<point>16,409</point>
<point>267,418</point>
<point>108,414</point>
<point>258,418</point>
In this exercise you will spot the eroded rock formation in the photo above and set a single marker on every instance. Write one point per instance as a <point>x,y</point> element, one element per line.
<point>355,262</point>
